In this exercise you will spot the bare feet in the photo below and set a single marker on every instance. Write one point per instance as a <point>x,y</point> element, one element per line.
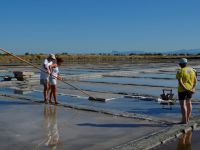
<point>182,122</point>
<point>56,103</point>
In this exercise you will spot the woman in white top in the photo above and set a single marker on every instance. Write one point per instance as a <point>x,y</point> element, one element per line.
<point>44,75</point>
<point>53,79</point>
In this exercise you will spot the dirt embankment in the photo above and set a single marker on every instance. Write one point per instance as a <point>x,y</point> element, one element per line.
<point>96,58</point>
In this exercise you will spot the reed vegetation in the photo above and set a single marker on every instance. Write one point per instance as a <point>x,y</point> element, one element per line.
<point>93,58</point>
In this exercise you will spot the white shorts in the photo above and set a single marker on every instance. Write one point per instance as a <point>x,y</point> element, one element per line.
<point>52,81</point>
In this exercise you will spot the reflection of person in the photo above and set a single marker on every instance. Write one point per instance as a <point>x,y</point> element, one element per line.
<point>50,117</point>
<point>184,142</point>
<point>187,82</point>
<point>53,79</point>
<point>44,76</point>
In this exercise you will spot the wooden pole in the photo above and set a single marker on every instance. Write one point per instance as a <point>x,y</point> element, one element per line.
<point>7,52</point>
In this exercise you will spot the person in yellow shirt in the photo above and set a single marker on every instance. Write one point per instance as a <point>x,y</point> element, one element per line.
<point>186,87</point>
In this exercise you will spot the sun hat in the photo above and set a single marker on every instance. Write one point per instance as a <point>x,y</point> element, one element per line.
<point>52,56</point>
<point>183,61</point>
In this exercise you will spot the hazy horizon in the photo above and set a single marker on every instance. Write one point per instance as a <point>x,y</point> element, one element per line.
<point>14,51</point>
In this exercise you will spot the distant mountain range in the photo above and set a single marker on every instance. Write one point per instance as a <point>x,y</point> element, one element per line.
<point>182,51</point>
<point>127,52</point>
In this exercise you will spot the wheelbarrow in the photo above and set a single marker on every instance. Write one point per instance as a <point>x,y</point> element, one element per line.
<point>167,97</point>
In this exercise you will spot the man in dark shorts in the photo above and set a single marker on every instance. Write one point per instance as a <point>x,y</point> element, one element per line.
<point>187,82</point>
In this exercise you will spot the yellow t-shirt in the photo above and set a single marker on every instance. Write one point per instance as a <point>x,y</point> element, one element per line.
<point>188,76</point>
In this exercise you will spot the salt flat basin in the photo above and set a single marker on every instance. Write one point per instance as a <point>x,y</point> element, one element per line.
<point>164,75</point>
<point>129,105</point>
<point>132,105</point>
<point>158,75</point>
<point>112,88</point>
<point>141,81</point>
<point>145,81</point>
<point>26,125</point>
<point>135,106</point>
<point>116,88</point>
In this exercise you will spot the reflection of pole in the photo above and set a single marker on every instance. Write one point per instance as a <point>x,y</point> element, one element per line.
<point>185,141</point>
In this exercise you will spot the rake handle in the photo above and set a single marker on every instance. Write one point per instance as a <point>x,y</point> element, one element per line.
<point>7,52</point>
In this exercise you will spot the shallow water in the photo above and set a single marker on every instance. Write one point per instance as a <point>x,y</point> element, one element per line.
<point>139,81</point>
<point>158,75</point>
<point>140,90</point>
<point>36,115</point>
<point>188,141</point>
<point>160,78</point>
<point>40,126</point>
<point>130,105</point>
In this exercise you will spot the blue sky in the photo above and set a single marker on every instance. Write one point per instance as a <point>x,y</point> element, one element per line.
<point>87,26</point>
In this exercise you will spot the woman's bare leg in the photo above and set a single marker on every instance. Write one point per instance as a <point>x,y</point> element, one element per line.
<point>55,93</point>
<point>51,94</point>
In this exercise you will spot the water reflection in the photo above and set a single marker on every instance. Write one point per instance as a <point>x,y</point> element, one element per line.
<point>51,127</point>
<point>184,142</point>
